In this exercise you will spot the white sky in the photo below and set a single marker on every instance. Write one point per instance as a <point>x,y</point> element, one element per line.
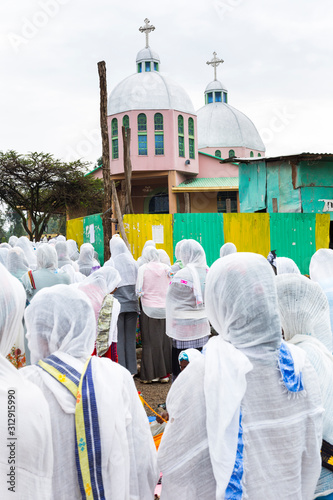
<point>278,66</point>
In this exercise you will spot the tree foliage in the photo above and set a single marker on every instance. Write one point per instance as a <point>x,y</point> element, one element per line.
<point>39,185</point>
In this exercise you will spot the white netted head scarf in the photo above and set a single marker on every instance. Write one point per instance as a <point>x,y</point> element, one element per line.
<point>12,240</point>
<point>5,245</point>
<point>164,257</point>
<point>73,250</point>
<point>62,252</point>
<point>47,257</point>
<point>86,259</point>
<point>193,258</point>
<point>227,249</point>
<point>17,262</point>
<point>123,261</point>
<point>24,243</point>
<point>284,265</point>
<point>60,318</point>
<point>149,243</point>
<point>321,271</point>
<point>303,309</point>
<point>4,256</point>
<point>12,304</point>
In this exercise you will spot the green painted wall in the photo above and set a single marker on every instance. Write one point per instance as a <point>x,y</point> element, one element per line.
<point>93,233</point>
<point>311,197</point>
<point>317,173</point>
<point>252,186</point>
<point>280,186</point>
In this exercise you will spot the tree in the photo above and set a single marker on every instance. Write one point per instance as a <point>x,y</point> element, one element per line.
<point>37,186</point>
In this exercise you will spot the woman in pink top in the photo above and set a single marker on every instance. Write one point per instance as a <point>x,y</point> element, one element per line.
<point>152,285</point>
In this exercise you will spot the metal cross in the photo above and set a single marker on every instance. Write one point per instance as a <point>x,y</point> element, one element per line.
<point>146,29</point>
<point>215,62</point>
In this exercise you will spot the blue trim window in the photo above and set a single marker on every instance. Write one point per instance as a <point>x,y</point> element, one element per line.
<point>155,66</point>
<point>231,153</point>
<point>218,153</point>
<point>181,148</point>
<point>142,142</point>
<point>218,97</point>
<point>142,122</point>
<point>147,66</point>
<point>209,97</point>
<point>126,122</point>
<point>139,67</point>
<point>191,138</point>
<point>114,135</point>
<point>225,97</point>
<point>159,134</point>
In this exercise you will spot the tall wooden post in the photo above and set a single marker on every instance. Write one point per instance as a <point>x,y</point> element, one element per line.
<point>110,190</point>
<point>127,170</point>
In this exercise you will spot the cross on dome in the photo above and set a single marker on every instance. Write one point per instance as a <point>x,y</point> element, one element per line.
<point>146,29</point>
<point>214,62</point>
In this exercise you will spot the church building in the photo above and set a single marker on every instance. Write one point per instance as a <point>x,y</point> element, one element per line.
<point>175,151</point>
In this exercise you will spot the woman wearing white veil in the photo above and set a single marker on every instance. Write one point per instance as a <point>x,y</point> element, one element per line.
<point>26,437</point>
<point>110,453</point>
<point>245,420</point>
<point>321,271</point>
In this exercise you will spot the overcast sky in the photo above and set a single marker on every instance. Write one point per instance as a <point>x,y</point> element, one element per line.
<point>278,66</point>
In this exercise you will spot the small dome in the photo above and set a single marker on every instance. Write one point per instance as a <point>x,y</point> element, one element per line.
<point>148,90</point>
<point>147,54</point>
<point>221,125</point>
<point>215,85</point>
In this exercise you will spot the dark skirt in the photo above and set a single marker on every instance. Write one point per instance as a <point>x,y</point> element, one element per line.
<point>156,348</point>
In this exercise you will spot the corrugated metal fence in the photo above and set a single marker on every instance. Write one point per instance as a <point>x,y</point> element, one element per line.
<point>294,235</point>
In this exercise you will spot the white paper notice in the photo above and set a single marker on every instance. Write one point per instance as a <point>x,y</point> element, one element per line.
<point>328,206</point>
<point>92,233</point>
<point>158,234</point>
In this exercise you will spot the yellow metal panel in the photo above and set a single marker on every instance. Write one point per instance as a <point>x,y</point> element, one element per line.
<point>322,231</point>
<point>140,227</point>
<point>249,232</point>
<point>74,230</point>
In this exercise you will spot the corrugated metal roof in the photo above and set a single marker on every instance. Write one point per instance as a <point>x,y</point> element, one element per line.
<point>209,182</point>
<point>300,156</point>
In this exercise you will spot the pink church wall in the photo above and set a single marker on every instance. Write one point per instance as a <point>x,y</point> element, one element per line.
<point>170,160</point>
<point>211,167</point>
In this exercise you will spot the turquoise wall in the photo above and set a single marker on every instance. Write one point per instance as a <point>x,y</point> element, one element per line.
<point>252,186</point>
<point>311,197</point>
<point>280,186</point>
<point>317,173</point>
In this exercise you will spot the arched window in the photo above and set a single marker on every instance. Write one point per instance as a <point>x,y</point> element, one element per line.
<point>231,153</point>
<point>251,154</point>
<point>126,121</point>
<point>259,155</point>
<point>218,153</point>
<point>114,138</point>
<point>159,134</point>
<point>142,134</point>
<point>191,138</point>
<point>181,148</point>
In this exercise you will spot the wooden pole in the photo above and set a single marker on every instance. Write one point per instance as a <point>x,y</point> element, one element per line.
<point>109,185</point>
<point>127,170</point>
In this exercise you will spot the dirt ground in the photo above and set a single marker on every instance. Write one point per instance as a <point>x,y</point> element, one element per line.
<point>154,394</point>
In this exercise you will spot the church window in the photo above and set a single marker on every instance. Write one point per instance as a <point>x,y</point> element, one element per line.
<point>139,67</point>
<point>218,153</point>
<point>181,148</point>
<point>259,155</point>
<point>218,97</point>
<point>225,97</point>
<point>155,66</point>
<point>114,135</point>
<point>147,66</point>
<point>159,134</point>
<point>126,122</point>
<point>209,97</point>
<point>251,154</point>
<point>231,153</point>
<point>227,202</point>
<point>142,134</point>
<point>191,138</point>
<point>159,204</point>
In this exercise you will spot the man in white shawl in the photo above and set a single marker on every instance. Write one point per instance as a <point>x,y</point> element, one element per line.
<point>101,438</point>
<point>245,420</point>
<point>305,320</point>
<point>26,455</point>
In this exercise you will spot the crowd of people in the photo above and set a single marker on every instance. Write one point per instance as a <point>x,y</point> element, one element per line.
<point>246,343</point>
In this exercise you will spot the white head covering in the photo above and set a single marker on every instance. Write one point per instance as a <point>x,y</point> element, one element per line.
<point>149,243</point>
<point>305,320</point>
<point>321,271</point>
<point>62,252</point>
<point>47,257</point>
<point>61,237</point>
<point>73,250</point>
<point>4,256</point>
<point>190,355</point>
<point>17,262</point>
<point>193,257</point>
<point>227,249</point>
<point>27,248</point>
<point>76,276</point>
<point>284,265</point>
<point>177,248</point>
<point>5,245</point>
<point>60,318</point>
<point>164,257</point>
<point>12,240</point>
<point>123,261</point>
<point>86,259</point>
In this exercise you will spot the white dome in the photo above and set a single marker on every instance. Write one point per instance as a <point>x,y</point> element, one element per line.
<point>147,54</point>
<point>221,125</point>
<point>215,85</point>
<point>148,90</point>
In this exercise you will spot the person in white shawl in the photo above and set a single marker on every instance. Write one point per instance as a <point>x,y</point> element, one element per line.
<point>25,426</point>
<point>284,265</point>
<point>28,250</point>
<point>305,320</point>
<point>321,271</point>
<point>227,249</point>
<point>245,420</point>
<point>121,455</point>
<point>141,260</point>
